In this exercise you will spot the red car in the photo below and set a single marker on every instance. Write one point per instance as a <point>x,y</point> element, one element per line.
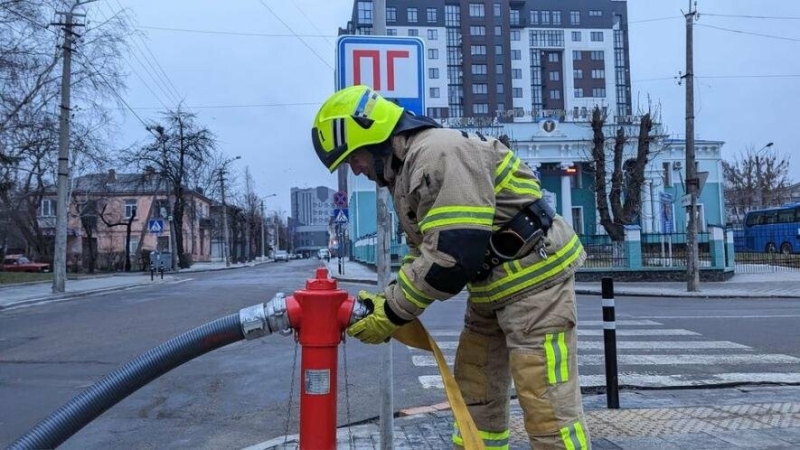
<point>19,263</point>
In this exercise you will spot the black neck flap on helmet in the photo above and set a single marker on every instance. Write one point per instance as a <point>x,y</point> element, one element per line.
<point>409,122</point>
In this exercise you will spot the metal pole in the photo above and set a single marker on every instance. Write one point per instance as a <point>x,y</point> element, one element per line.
<point>610,344</point>
<point>60,250</point>
<point>224,218</point>
<point>692,183</point>
<point>262,230</point>
<point>383,260</point>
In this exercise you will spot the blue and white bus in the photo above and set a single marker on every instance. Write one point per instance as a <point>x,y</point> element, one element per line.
<point>773,229</point>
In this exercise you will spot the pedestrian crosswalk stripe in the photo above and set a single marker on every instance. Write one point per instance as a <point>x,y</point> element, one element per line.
<point>651,360</point>
<point>653,381</point>
<point>656,332</point>
<point>620,323</point>
<point>586,345</point>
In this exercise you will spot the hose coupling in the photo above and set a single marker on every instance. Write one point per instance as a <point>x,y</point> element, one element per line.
<point>265,318</point>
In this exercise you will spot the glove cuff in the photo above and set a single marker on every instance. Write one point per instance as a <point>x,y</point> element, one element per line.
<point>392,316</point>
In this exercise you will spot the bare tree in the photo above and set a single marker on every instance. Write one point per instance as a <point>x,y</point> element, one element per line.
<point>179,147</point>
<point>620,203</point>
<point>756,179</point>
<point>121,222</point>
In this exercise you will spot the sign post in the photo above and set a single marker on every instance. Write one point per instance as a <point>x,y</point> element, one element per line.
<point>395,68</point>
<point>667,225</point>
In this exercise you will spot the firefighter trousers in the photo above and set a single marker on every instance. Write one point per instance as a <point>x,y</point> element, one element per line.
<point>532,340</point>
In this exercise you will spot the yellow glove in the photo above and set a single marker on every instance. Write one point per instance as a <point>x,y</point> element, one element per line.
<point>376,327</point>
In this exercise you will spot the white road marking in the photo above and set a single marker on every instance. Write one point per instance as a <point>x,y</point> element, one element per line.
<point>650,360</point>
<point>584,345</point>
<point>664,332</point>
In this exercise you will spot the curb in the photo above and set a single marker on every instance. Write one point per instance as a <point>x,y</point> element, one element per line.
<point>69,295</point>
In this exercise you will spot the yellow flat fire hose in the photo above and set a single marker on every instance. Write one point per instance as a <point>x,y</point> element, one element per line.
<point>415,335</point>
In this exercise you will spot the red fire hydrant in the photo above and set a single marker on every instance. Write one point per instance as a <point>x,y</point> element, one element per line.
<point>319,314</point>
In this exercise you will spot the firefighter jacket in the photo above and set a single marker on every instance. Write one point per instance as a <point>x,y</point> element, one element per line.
<point>451,190</point>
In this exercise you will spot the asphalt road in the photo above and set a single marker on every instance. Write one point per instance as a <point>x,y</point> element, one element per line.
<point>240,395</point>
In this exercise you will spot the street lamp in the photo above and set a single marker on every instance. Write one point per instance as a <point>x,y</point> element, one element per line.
<point>760,177</point>
<point>263,219</point>
<point>225,237</point>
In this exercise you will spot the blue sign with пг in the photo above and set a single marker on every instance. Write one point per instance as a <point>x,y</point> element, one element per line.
<point>392,66</point>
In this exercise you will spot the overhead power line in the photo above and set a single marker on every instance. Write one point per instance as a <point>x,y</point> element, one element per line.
<point>260,105</point>
<point>657,19</point>
<point>721,77</point>
<point>233,33</point>
<point>294,33</point>
<point>746,16</point>
<point>730,30</point>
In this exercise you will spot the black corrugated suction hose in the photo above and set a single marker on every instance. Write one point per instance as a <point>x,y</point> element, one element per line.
<point>114,387</point>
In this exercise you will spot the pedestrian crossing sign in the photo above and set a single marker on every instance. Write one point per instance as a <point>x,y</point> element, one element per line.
<point>155,225</point>
<point>340,215</point>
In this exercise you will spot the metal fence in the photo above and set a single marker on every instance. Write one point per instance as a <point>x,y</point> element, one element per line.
<point>669,250</point>
<point>765,252</point>
<point>601,251</point>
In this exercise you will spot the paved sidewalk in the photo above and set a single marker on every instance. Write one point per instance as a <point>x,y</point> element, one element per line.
<point>754,418</point>
<point>32,293</point>
<point>750,285</point>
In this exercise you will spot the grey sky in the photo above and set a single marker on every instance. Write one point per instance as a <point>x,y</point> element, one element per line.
<point>236,71</point>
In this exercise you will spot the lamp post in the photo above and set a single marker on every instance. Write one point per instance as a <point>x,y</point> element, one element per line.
<point>263,219</point>
<point>759,175</point>
<point>225,237</point>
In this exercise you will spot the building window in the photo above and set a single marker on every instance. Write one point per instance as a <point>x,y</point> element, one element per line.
<point>433,35</point>
<point>478,49</point>
<point>516,36</point>
<point>577,74</point>
<point>576,36</point>
<point>595,13</point>
<point>500,88</point>
<point>577,212</point>
<point>516,74</point>
<point>456,111</point>
<point>498,49</point>
<point>516,92</point>
<point>391,32</point>
<point>578,92</point>
<point>480,88</point>
<point>598,74</point>
<point>434,92</point>
<point>516,55</point>
<point>477,10</point>
<point>431,15</point>
<point>366,31</point>
<point>534,17</point>
<point>552,57</point>
<point>577,55</point>
<point>498,69</point>
<point>556,17</point>
<point>501,106</point>
<point>433,73</point>
<point>513,17</point>
<point>412,15</point>
<point>479,69</point>
<point>413,32</point>
<point>498,30</point>
<point>574,17</point>
<point>480,108</point>
<point>596,36</point>
<point>599,92</point>
<point>130,208</point>
<point>391,14</point>
<point>365,13</point>
<point>545,17</point>
<point>497,11</point>
<point>48,208</point>
<point>555,76</point>
<point>452,16</point>
<point>477,30</point>
<point>133,245</point>
<point>555,94</point>
<point>547,38</point>
<point>598,55</point>
<point>433,53</point>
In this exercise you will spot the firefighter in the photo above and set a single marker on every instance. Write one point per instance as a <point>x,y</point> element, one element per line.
<point>474,216</point>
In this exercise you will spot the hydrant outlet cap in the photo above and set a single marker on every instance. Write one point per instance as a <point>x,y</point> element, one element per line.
<point>321,282</point>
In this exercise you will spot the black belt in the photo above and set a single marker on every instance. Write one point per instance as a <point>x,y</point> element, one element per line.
<point>530,224</point>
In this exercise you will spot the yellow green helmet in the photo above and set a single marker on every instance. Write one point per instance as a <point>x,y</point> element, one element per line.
<point>352,118</point>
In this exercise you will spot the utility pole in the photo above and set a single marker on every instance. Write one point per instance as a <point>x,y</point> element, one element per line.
<point>262,229</point>
<point>384,272</point>
<point>224,218</point>
<point>692,182</point>
<point>60,250</point>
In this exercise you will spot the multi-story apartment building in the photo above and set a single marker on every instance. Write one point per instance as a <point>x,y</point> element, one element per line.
<point>515,60</point>
<point>311,214</point>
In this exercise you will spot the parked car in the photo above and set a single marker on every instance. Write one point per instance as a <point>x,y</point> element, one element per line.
<point>19,263</point>
<point>323,253</point>
<point>281,255</point>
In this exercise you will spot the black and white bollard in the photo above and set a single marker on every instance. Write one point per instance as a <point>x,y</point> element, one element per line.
<point>610,343</point>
